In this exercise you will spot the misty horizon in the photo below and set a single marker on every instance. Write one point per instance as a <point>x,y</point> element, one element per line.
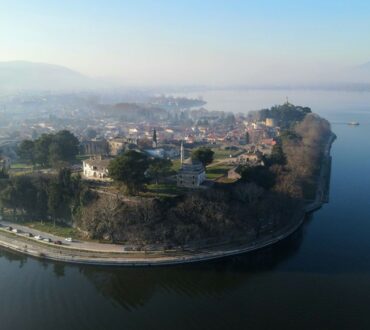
<point>188,43</point>
<point>36,76</point>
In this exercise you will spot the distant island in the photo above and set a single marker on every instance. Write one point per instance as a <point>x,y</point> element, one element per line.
<point>235,183</point>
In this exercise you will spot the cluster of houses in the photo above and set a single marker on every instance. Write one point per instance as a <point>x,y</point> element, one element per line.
<point>191,174</point>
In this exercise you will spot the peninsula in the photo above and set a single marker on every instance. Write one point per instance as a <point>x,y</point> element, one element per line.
<point>198,186</point>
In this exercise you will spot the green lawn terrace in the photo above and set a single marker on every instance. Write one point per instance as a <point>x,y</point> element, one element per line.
<point>59,229</point>
<point>218,171</point>
<point>20,169</point>
<point>163,190</point>
<point>222,153</point>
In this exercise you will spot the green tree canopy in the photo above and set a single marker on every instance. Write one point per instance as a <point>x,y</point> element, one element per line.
<point>260,175</point>
<point>129,169</point>
<point>203,155</point>
<point>26,151</point>
<point>50,149</point>
<point>277,155</point>
<point>40,196</point>
<point>159,168</point>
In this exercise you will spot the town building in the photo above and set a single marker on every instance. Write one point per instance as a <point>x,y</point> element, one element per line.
<point>270,122</point>
<point>96,168</point>
<point>4,163</point>
<point>250,158</point>
<point>116,146</point>
<point>191,174</point>
<point>95,147</point>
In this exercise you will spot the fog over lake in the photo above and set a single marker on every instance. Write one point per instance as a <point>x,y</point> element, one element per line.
<point>322,102</point>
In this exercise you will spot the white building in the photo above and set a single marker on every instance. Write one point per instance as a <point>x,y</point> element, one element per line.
<point>4,163</point>
<point>191,174</point>
<point>96,168</point>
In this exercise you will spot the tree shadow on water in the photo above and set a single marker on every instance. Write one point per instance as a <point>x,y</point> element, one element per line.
<point>131,288</point>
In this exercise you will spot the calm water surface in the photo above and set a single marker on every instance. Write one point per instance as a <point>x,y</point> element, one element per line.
<point>317,279</point>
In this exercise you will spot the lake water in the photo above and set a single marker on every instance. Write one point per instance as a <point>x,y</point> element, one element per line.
<point>319,278</point>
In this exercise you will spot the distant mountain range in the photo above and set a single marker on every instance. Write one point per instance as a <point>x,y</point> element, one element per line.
<point>360,73</point>
<point>22,75</point>
<point>364,66</point>
<point>30,76</point>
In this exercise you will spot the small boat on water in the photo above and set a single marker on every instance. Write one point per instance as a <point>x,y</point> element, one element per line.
<point>353,123</point>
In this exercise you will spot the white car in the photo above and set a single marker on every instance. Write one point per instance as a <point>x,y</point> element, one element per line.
<point>38,237</point>
<point>69,239</point>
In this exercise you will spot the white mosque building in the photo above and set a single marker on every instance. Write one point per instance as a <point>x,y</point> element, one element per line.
<point>191,174</point>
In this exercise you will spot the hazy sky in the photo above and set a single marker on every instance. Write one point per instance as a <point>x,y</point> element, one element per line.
<point>189,41</point>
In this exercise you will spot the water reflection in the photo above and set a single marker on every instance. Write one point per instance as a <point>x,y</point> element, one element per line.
<point>13,257</point>
<point>59,269</point>
<point>133,287</point>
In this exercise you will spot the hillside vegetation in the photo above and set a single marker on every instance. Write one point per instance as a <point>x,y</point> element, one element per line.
<point>265,199</point>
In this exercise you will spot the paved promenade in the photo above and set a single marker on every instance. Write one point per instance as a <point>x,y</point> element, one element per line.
<point>111,254</point>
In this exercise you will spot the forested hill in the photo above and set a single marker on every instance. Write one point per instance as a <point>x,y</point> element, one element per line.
<point>284,115</point>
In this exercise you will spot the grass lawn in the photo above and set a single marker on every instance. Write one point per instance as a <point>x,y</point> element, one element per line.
<point>164,190</point>
<point>20,166</point>
<point>215,172</point>
<point>20,171</point>
<point>47,227</point>
<point>82,157</point>
<point>176,164</point>
<point>222,153</point>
